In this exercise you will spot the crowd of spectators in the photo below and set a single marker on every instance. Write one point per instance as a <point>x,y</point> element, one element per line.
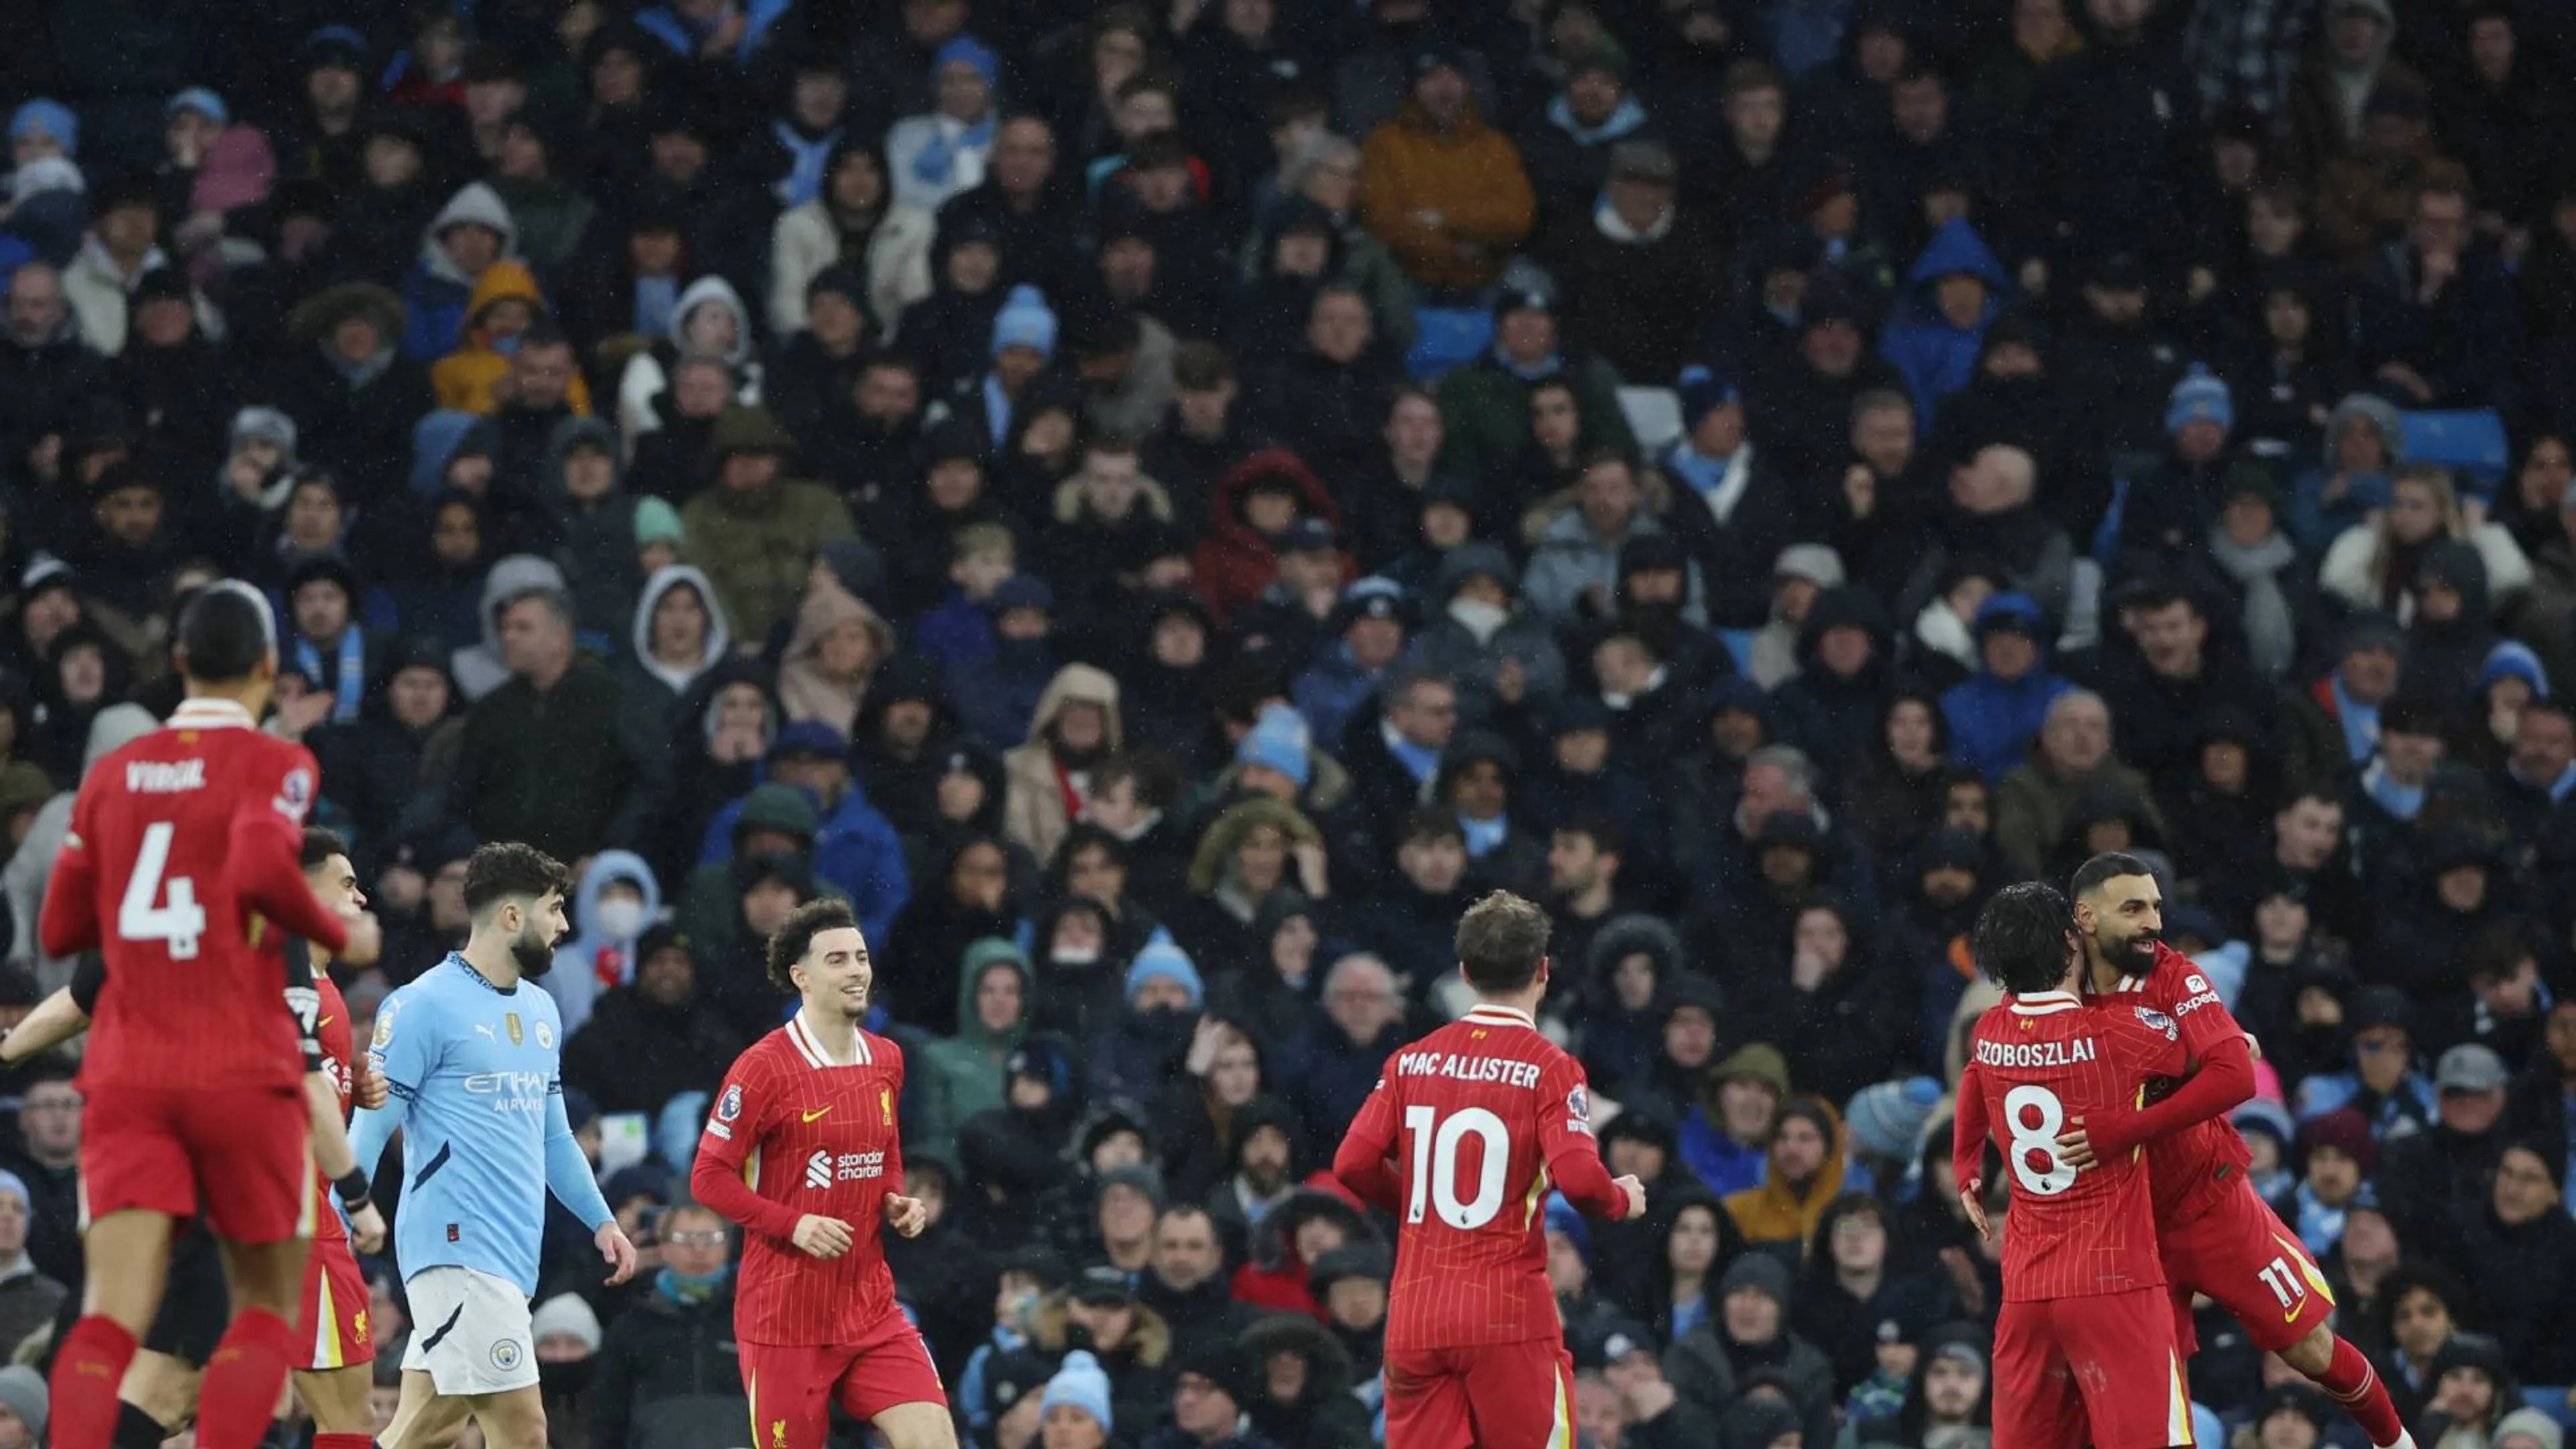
<point>1161,505</point>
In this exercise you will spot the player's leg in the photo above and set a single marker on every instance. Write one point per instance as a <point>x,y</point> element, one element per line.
<point>790,1388</point>
<point>158,1399</point>
<point>337,1369</point>
<point>470,1338</point>
<point>424,1418</point>
<point>1426,1402</point>
<point>890,1382</point>
<point>2120,1347</point>
<point>248,1370</point>
<point>1520,1395</point>
<point>515,1419</point>
<point>128,1257</point>
<point>2036,1404</point>
<point>337,1401</point>
<point>250,1149</point>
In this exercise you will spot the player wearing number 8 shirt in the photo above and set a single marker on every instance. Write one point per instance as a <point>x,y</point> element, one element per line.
<point>1462,1139</point>
<point>2215,1233</point>
<point>802,1151</point>
<point>181,867</point>
<point>2084,1348</point>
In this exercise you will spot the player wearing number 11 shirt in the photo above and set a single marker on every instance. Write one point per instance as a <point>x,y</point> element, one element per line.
<point>1462,1140</point>
<point>2084,1349</point>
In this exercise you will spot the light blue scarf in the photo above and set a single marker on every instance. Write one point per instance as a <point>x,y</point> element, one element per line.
<point>349,689</point>
<point>804,179</point>
<point>938,160</point>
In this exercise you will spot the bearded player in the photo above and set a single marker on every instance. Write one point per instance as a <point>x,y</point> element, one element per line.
<point>2217,1236</point>
<point>181,868</point>
<point>802,1150</point>
<point>1480,1118</point>
<point>2084,1348</point>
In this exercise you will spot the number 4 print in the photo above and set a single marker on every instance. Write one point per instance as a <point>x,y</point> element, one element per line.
<point>138,918</point>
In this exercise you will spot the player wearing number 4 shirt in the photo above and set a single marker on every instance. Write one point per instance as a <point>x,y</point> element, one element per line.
<point>181,869</point>
<point>2084,1348</point>
<point>2216,1235</point>
<point>802,1151</point>
<point>1463,1138</point>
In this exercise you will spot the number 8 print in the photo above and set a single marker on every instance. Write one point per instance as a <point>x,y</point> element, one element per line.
<point>2038,1137</point>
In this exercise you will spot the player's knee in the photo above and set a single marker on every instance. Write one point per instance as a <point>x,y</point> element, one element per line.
<point>515,1420</point>
<point>2312,1355</point>
<point>930,1428</point>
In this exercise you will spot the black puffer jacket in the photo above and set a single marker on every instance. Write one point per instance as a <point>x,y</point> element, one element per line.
<point>669,1376</point>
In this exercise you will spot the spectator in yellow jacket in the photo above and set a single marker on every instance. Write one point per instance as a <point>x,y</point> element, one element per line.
<point>1441,188</point>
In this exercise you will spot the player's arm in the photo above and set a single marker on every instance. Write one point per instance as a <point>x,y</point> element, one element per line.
<point>2224,1082</point>
<point>404,1052</point>
<point>59,1017</point>
<point>1573,1156</point>
<point>264,845</point>
<point>69,924</point>
<point>908,1216</point>
<point>734,1131</point>
<point>1364,1162</point>
<point>1968,1128</point>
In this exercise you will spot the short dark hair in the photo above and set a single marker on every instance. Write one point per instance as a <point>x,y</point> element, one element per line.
<point>2021,937</point>
<point>225,630</point>
<point>1156,777</point>
<point>508,868</point>
<point>1502,941</point>
<point>1595,828</point>
<point>320,845</point>
<point>2110,865</point>
<point>796,935</point>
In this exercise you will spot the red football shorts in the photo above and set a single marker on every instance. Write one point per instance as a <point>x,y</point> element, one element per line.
<point>1494,1396</point>
<point>332,1324</point>
<point>240,1155</point>
<point>2100,1370</point>
<point>792,1386</point>
<point>2240,1254</point>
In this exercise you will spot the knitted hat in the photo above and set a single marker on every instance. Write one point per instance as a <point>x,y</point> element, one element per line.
<point>1351,1260</point>
<point>266,425</point>
<point>2514,659</point>
<point>1887,1119</point>
<point>1139,1177</point>
<point>1081,1383</point>
<point>2265,1115</point>
<point>2346,1131</point>
<point>12,1185</point>
<point>1703,391</point>
<point>1760,1272</point>
<point>1025,321</point>
<point>2200,396</point>
<point>2012,612</point>
<point>1564,1217</point>
<point>1279,740</point>
<point>1162,959</point>
<point>201,100</point>
<point>656,521</point>
<point>51,118</point>
<point>975,55</point>
<point>24,1391</point>
<point>1759,1062</point>
<point>1223,1364</point>
<point>566,1313</point>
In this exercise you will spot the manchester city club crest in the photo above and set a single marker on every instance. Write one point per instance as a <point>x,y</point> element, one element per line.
<point>545,1037</point>
<point>505,1354</point>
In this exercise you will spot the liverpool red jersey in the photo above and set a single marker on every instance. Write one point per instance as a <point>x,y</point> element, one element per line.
<point>1481,1118</point>
<point>339,1063</point>
<point>2195,1167</point>
<point>795,1132</point>
<point>180,866</point>
<point>2036,1064</point>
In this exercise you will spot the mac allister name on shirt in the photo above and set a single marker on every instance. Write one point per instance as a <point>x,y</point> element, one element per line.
<point>1459,1068</point>
<point>2035,1054</point>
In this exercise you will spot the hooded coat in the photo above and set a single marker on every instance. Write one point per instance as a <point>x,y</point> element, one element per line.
<point>594,543</point>
<point>804,689</point>
<point>1324,1415</point>
<point>926,949</point>
<point>1234,562</point>
<point>1470,174</point>
<point>647,374</point>
<point>1472,658</point>
<point>463,380</point>
<point>594,962</point>
<point>653,689</point>
<point>438,294</point>
<point>856,852</point>
<point>1773,1212</point>
<point>1936,356</point>
<point>757,544</point>
<point>1041,797</point>
<point>962,1075</point>
<point>1835,718</point>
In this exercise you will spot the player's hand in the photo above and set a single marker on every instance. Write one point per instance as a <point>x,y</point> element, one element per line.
<point>366,940</point>
<point>822,1237</point>
<point>367,1229</point>
<point>1635,1194</point>
<point>372,1091</point>
<point>906,1215</point>
<point>2253,1047</point>
<point>2075,1147</point>
<point>616,1251</point>
<point>1972,1200</point>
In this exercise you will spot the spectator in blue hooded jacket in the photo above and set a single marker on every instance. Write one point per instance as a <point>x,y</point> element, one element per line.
<point>1997,712</point>
<point>1953,294</point>
<point>617,900</point>
<point>855,848</point>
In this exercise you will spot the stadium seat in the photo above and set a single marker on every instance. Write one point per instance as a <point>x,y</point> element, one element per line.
<point>2471,443</point>
<point>1654,415</point>
<point>2552,1402</point>
<point>1447,337</point>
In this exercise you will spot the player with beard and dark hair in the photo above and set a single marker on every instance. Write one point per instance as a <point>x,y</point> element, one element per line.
<point>2214,1232</point>
<point>472,1060</point>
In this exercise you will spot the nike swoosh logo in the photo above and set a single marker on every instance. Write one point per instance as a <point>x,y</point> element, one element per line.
<point>817,1112</point>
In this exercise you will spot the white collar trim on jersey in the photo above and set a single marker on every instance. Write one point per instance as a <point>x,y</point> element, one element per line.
<point>810,1047</point>
<point>1489,1014</point>
<point>2045,1003</point>
<point>202,712</point>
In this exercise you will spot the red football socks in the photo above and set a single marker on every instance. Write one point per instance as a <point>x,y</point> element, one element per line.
<point>2351,1382</point>
<point>87,1369</point>
<point>243,1380</point>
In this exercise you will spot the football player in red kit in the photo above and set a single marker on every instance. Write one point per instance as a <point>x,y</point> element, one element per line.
<point>2084,1349</point>
<point>1463,1137</point>
<point>181,867</point>
<point>802,1151</point>
<point>2217,1236</point>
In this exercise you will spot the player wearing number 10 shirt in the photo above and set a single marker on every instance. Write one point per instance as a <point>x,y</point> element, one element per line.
<point>2084,1348</point>
<point>1462,1139</point>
